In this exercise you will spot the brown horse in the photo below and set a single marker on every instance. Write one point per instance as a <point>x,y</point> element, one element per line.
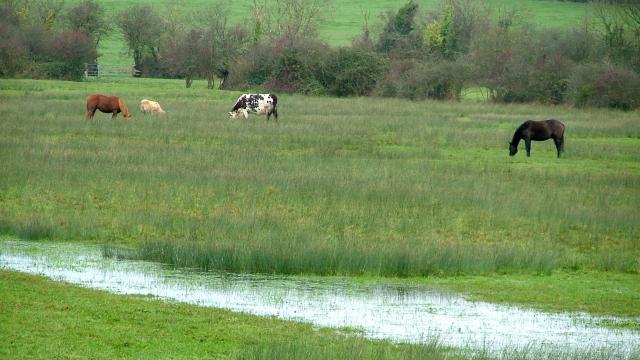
<point>538,131</point>
<point>106,104</point>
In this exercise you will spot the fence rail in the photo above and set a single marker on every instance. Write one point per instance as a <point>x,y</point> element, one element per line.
<point>97,70</point>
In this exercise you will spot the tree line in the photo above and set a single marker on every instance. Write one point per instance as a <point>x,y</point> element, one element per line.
<point>408,53</point>
<point>42,40</point>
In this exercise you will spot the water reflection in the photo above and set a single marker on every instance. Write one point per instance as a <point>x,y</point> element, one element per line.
<point>401,313</point>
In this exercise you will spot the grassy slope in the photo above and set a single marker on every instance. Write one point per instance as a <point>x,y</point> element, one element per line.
<point>42,319</point>
<point>345,21</point>
<point>397,178</point>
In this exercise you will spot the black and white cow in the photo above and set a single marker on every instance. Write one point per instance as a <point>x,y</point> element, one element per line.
<point>259,104</point>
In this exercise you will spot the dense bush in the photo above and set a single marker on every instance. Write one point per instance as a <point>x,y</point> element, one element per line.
<point>142,28</point>
<point>35,45</point>
<point>295,68</point>
<point>70,51</point>
<point>309,67</point>
<point>420,80</point>
<point>400,36</point>
<point>282,65</point>
<point>352,71</point>
<point>88,17</point>
<point>521,65</point>
<point>605,85</point>
<point>13,55</point>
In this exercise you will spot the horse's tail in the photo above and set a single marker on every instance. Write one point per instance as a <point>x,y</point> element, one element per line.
<point>123,108</point>
<point>563,127</point>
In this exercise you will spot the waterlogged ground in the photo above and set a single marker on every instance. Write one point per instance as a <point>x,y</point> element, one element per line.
<point>406,314</point>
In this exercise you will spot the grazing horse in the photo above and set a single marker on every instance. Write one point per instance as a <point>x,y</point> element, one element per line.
<point>538,131</point>
<point>106,104</point>
<point>150,106</point>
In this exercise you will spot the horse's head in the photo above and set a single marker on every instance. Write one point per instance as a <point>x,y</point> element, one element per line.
<point>124,109</point>
<point>513,149</point>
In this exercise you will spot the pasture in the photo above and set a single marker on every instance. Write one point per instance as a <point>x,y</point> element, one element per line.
<point>375,188</point>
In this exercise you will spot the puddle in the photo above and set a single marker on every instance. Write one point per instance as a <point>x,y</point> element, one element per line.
<point>411,314</point>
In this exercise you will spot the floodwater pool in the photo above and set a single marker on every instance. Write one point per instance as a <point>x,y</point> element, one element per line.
<point>411,313</point>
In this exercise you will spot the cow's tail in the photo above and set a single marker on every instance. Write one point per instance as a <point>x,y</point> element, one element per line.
<point>275,99</point>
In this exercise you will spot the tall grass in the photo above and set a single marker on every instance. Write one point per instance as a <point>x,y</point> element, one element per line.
<point>347,348</point>
<point>339,186</point>
<point>356,348</point>
<point>389,260</point>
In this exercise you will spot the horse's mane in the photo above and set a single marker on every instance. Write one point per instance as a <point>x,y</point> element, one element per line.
<point>123,108</point>
<point>517,135</point>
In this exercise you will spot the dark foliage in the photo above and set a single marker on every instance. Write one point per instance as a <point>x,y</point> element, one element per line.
<point>142,28</point>
<point>89,18</point>
<point>70,51</point>
<point>32,45</point>
<point>442,80</point>
<point>400,38</point>
<point>282,66</point>
<point>13,52</point>
<point>179,56</point>
<point>352,71</point>
<point>605,85</point>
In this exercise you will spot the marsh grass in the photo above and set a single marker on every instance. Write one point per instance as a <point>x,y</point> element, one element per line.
<point>28,229</point>
<point>391,261</point>
<point>338,186</point>
<point>347,348</point>
<point>357,348</point>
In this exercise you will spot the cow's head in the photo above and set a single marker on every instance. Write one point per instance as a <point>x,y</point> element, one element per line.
<point>232,114</point>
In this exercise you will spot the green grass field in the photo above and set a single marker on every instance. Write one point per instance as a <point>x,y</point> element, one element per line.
<point>381,190</point>
<point>381,187</point>
<point>343,22</point>
<point>360,186</point>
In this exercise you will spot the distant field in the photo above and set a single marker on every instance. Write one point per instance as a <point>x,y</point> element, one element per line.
<point>344,20</point>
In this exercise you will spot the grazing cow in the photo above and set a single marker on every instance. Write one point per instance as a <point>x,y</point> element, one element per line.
<point>106,104</point>
<point>259,104</point>
<point>149,106</point>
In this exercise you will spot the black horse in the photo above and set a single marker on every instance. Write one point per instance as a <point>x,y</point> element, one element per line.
<point>538,131</point>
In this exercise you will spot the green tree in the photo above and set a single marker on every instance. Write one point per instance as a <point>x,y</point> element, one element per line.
<point>398,35</point>
<point>439,36</point>
<point>221,44</point>
<point>142,28</point>
<point>451,35</point>
<point>293,20</point>
<point>88,17</point>
<point>620,22</point>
